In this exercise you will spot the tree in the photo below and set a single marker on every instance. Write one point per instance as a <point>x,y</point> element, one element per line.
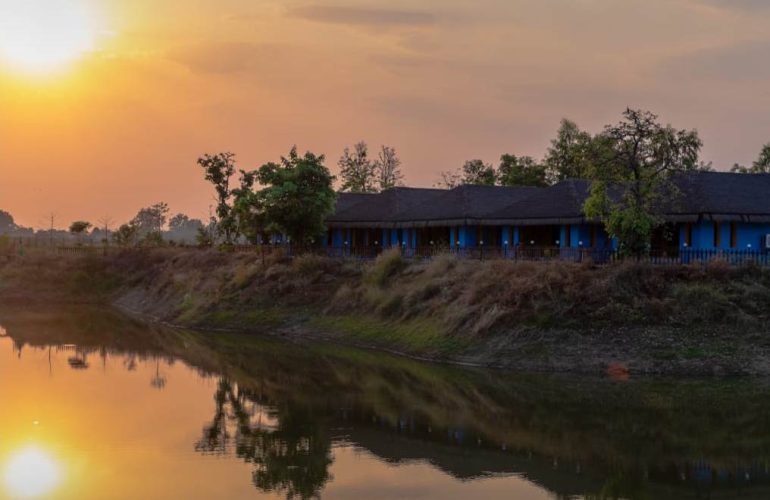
<point>570,154</point>
<point>760,166</point>
<point>387,168</point>
<point>79,227</point>
<point>521,171</point>
<point>182,228</point>
<point>449,179</point>
<point>357,172</point>
<point>297,196</point>
<point>7,224</point>
<point>126,235</point>
<point>150,221</point>
<point>219,168</point>
<point>478,172</point>
<point>633,176</point>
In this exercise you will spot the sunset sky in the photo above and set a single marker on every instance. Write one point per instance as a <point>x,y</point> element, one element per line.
<point>106,104</point>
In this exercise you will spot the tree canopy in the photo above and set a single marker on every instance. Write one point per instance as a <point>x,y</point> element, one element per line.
<point>218,169</point>
<point>297,196</point>
<point>632,175</point>
<point>357,172</point>
<point>760,166</point>
<point>521,171</point>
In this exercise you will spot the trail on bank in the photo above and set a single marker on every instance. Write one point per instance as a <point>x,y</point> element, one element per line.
<point>545,316</point>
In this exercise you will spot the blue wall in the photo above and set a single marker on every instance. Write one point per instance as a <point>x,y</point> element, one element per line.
<point>746,234</point>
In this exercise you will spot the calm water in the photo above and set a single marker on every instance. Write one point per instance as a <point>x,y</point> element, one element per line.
<point>93,405</point>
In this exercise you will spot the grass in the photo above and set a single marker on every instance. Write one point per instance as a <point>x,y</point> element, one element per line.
<point>415,336</point>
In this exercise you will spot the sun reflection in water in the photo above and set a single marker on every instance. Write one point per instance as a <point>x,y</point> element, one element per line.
<point>31,472</point>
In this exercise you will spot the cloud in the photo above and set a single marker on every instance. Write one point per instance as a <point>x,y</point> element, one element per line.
<point>226,57</point>
<point>363,16</point>
<point>746,61</point>
<point>742,5</point>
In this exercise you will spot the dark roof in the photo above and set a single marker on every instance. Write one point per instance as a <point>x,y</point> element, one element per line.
<point>464,204</point>
<point>701,195</point>
<point>723,196</point>
<point>345,201</point>
<point>379,209</point>
<point>558,204</point>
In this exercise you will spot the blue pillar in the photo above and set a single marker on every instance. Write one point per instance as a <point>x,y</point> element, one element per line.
<point>516,236</point>
<point>414,237</point>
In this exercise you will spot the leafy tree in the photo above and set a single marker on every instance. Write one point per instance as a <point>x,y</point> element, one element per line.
<point>357,172</point>
<point>297,196</point>
<point>571,153</point>
<point>633,176</point>
<point>7,224</point>
<point>219,168</point>
<point>387,167</point>
<point>248,210</point>
<point>521,171</point>
<point>449,179</point>
<point>182,228</point>
<point>126,235</point>
<point>760,166</point>
<point>478,172</point>
<point>79,227</point>
<point>150,222</point>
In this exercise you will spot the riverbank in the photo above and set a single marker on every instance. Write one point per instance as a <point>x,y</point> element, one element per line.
<point>626,318</point>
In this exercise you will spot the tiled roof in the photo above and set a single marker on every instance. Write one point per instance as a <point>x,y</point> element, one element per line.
<point>710,195</point>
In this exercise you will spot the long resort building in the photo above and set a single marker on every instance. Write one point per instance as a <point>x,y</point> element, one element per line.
<point>711,211</point>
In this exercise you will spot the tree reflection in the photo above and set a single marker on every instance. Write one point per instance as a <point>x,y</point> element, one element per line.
<point>291,455</point>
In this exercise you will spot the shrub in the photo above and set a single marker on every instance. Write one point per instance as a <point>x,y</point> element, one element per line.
<point>384,267</point>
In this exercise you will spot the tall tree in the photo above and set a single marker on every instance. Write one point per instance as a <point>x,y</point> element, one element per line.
<point>478,172</point>
<point>570,153</point>
<point>521,171</point>
<point>633,176</point>
<point>297,196</point>
<point>760,166</point>
<point>449,179</point>
<point>219,168</point>
<point>151,220</point>
<point>357,172</point>
<point>387,168</point>
<point>7,224</point>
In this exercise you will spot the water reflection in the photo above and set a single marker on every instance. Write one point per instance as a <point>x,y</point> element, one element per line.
<point>293,413</point>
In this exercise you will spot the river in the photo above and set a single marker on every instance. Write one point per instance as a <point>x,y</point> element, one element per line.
<point>97,405</point>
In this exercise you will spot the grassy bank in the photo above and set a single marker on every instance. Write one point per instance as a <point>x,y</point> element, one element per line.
<point>549,316</point>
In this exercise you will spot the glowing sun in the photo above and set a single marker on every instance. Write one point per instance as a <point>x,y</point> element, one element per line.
<point>43,35</point>
<point>31,472</point>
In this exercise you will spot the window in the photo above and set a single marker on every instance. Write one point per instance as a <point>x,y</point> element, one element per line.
<point>733,235</point>
<point>568,236</point>
<point>688,234</point>
<point>717,234</point>
<point>593,236</point>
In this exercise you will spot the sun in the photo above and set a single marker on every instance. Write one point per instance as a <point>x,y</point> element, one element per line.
<point>31,473</point>
<point>43,35</point>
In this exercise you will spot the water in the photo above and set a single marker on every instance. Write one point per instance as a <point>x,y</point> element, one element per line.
<point>93,405</point>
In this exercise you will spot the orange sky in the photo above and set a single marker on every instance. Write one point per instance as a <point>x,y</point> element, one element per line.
<point>120,127</point>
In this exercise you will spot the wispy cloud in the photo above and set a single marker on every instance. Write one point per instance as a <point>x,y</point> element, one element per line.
<point>225,57</point>
<point>745,61</point>
<point>363,16</point>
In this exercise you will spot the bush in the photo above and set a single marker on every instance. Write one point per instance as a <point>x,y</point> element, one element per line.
<point>384,267</point>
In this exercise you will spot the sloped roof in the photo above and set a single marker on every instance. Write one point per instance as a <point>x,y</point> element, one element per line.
<point>724,196</point>
<point>560,203</point>
<point>464,204</point>
<point>379,209</point>
<point>702,195</point>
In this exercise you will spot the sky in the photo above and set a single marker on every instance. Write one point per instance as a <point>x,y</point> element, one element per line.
<point>139,89</point>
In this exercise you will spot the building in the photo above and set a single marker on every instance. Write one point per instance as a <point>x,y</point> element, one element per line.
<point>712,211</point>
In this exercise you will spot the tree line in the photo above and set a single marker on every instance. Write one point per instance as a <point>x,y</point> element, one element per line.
<point>632,165</point>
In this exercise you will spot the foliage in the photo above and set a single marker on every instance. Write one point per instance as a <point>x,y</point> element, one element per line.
<point>387,167</point>
<point>7,223</point>
<point>149,222</point>
<point>297,196</point>
<point>357,172</point>
<point>126,235</point>
<point>632,174</point>
<point>79,227</point>
<point>479,173</point>
<point>760,166</point>
<point>521,171</point>
<point>219,168</point>
<point>570,154</point>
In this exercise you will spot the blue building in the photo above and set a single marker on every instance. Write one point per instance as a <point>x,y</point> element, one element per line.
<point>711,211</point>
